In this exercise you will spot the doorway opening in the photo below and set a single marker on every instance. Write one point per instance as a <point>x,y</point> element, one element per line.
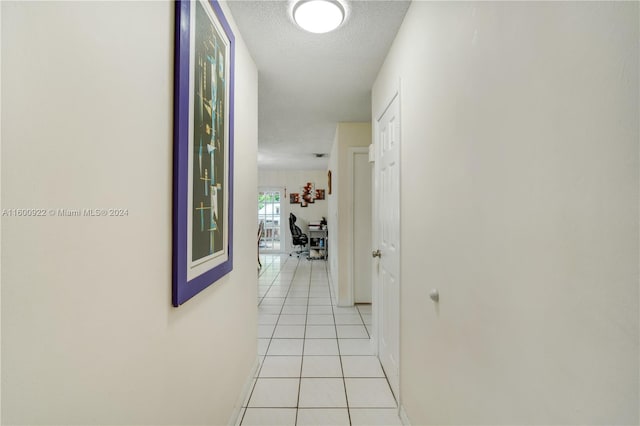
<point>360,180</point>
<point>269,215</point>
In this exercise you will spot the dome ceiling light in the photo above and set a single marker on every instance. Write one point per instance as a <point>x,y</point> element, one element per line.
<point>318,16</point>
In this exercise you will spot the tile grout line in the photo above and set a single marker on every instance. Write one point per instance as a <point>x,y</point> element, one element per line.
<point>363,323</point>
<point>281,309</point>
<point>255,379</point>
<point>264,267</point>
<point>289,296</point>
<point>344,382</point>
<point>270,285</point>
<point>269,345</point>
<point>304,342</point>
<point>276,324</point>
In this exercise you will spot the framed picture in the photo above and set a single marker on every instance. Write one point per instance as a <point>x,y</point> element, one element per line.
<point>203,148</point>
<point>308,191</point>
<point>319,194</point>
<point>294,198</point>
<point>307,197</point>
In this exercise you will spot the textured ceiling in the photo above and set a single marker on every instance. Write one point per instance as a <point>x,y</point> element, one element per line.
<point>310,82</point>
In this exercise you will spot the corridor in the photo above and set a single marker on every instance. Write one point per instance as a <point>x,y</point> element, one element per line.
<point>316,364</point>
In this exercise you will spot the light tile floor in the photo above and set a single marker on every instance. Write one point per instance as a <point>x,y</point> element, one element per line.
<point>316,363</point>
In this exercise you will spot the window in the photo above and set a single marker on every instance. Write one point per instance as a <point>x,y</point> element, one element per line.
<point>269,213</point>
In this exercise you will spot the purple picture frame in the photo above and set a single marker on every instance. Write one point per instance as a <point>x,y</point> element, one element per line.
<point>184,288</point>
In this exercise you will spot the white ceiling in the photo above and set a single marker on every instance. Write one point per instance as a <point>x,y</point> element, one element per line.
<point>310,82</point>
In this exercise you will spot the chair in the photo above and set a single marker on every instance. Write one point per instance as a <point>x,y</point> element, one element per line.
<point>260,233</point>
<point>299,239</point>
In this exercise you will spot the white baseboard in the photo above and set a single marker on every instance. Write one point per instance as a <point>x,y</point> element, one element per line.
<point>403,417</point>
<point>236,416</point>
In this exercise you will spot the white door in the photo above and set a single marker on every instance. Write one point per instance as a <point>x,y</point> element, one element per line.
<point>388,239</point>
<point>361,226</point>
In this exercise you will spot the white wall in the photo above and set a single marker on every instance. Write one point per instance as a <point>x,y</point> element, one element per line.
<point>348,135</point>
<point>294,180</point>
<point>89,334</point>
<point>519,159</point>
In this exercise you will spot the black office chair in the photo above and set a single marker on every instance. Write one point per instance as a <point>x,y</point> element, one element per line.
<point>299,239</point>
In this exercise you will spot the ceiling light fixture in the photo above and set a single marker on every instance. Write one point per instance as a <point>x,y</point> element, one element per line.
<point>318,16</point>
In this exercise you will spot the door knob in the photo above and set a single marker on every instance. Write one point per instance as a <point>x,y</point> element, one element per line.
<point>376,253</point>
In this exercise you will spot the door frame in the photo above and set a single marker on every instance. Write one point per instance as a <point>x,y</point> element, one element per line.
<point>376,290</point>
<point>351,155</point>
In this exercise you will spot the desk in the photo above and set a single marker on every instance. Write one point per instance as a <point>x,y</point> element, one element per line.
<point>319,240</point>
